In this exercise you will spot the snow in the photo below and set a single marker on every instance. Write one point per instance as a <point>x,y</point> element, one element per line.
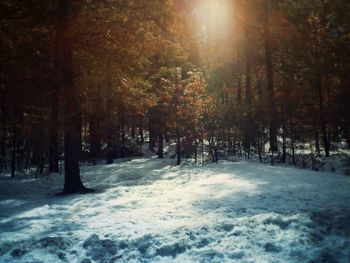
<point>148,210</point>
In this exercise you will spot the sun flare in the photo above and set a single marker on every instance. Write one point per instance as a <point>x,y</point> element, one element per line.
<point>213,15</point>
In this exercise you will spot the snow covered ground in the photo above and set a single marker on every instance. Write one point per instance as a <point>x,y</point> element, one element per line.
<point>147,210</point>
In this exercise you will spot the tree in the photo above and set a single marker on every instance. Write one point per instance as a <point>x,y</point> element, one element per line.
<point>72,127</point>
<point>269,75</point>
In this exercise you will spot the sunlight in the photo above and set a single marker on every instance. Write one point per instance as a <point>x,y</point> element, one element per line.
<point>213,16</point>
<point>213,26</point>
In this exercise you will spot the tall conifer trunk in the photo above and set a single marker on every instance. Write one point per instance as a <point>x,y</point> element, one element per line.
<point>110,115</point>
<point>178,147</point>
<point>270,85</point>
<point>14,142</point>
<point>3,122</point>
<point>248,95</point>
<point>55,104</point>
<point>94,137</point>
<point>323,123</point>
<point>160,146</point>
<point>72,127</point>
<point>238,79</point>
<point>53,148</point>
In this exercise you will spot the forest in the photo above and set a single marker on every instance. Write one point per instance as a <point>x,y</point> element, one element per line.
<point>129,88</point>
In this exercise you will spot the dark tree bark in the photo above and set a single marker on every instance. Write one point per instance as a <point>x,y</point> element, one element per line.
<point>41,145</point>
<point>72,128</point>
<point>53,148</point>
<point>141,135</point>
<point>151,133</point>
<point>248,122</point>
<point>285,106</point>
<point>27,157</point>
<point>122,124</point>
<point>215,151</point>
<point>323,123</point>
<point>195,151</point>
<point>238,79</point>
<point>234,147</point>
<point>3,131</point>
<point>19,137</point>
<point>270,84</point>
<point>284,134</point>
<point>95,139</point>
<point>259,150</point>
<point>317,139</point>
<point>133,132</point>
<point>160,146</point>
<point>292,138</point>
<point>239,91</point>
<point>110,116</point>
<point>248,70</point>
<point>55,105</point>
<point>178,146</point>
<point>14,142</point>
<point>347,137</point>
<point>202,151</point>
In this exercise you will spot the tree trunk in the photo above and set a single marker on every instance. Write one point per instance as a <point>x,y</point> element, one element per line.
<point>133,133</point>
<point>14,142</point>
<point>160,146</point>
<point>72,181</point>
<point>141,135</point>
<point>323,123</point>
<point>110,116</point>
<point>95,140</point>
<point>234,147</point>
<point>238,79</point>
<point>53,148</point>
<point>55,104</point>
<point>292,142</point>
<point>151,133</point>
<point>195,151</point>
<point>215,148</point>
<point>317,140</point>
<point>122,121</point>
<point>27,157</point>
<point>178,147</point>
<point>270,85</point>
<point>41,145</point>
<point>248,70</point>
<point>41,160</point>
<point>202,152</point>
<point>347,137</point>
<point>247,138</point>
<point>19,138</point>
<point>3,131</point>
<point>259,150</point>
<point>284,134</point>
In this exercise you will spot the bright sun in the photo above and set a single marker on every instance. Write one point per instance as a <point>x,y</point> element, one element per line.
<point>213,15</point>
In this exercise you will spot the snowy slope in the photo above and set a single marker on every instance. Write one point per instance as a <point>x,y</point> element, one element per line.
<point>147,210</point>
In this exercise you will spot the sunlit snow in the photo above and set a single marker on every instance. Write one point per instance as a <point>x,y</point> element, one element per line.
<point>148,210</point>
